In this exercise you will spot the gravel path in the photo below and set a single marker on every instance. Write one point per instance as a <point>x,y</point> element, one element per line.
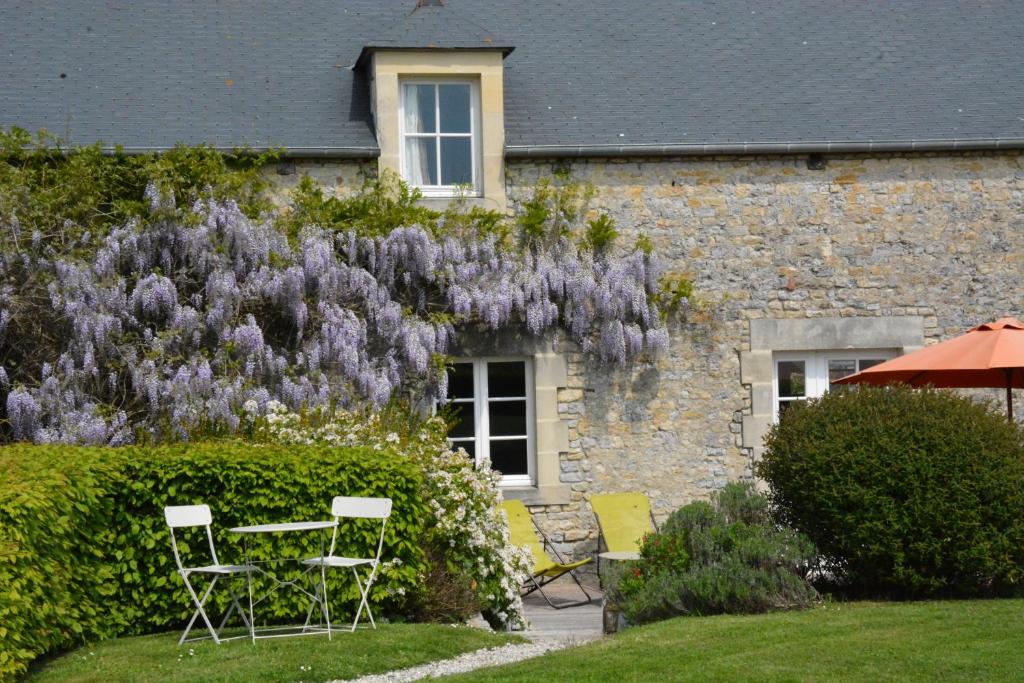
<point>492,656</point>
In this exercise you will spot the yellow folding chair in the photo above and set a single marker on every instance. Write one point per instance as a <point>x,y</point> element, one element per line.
<point>524,532</point>
<point>622,520</point>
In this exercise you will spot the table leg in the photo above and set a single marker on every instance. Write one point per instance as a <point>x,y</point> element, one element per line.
<point>252,621</point>
<point>323,586</point>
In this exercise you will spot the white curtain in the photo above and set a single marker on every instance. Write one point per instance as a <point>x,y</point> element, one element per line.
<point>417,164</point>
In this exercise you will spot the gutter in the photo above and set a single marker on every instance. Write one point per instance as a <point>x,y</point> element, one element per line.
<point>286,152</point>
<point>748,148</point>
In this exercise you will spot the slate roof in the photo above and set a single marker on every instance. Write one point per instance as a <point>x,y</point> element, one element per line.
<point>586,76</point>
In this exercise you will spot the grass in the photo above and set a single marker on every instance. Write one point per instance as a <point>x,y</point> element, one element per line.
<point>948,641</point>
<point>347,655</point>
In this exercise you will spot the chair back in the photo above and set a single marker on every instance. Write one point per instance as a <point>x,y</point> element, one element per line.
<point>369,508</point>
<point>179,516</point>
<point>522,533</point>
<point>361,508</point>
<point>624,518</point>
<point>188,515</point>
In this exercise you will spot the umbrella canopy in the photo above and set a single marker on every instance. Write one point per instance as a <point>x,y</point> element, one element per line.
<point>989,355</point>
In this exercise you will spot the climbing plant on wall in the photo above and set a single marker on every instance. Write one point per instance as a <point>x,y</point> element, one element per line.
<point>171,299</point>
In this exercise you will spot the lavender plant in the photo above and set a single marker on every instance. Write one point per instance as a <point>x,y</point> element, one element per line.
<point>165,325</point>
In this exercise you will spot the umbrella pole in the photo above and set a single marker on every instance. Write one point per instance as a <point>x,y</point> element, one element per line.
<point>1009,394</point>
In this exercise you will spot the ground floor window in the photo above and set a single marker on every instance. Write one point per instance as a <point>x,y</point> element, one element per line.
<point>492,401</point>
<point>799,376</point>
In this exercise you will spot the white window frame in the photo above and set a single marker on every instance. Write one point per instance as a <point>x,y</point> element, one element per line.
<point>474,136</point>
<point>482,399</point>
<point>816,369</point>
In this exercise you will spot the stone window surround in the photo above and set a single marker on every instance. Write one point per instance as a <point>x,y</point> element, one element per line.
<point>390,67</point>
<point>770,335</point>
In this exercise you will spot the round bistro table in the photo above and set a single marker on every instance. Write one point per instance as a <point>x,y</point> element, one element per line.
<point>317,599</point>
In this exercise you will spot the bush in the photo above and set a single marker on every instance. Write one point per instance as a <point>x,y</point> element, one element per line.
<point>85,552</point>
<point>907,493</point>
<point>720,557</point>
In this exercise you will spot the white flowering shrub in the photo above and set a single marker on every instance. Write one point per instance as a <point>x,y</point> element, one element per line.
<point>466,527</point>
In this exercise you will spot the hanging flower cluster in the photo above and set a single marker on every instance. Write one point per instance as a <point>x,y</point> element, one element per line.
<point>168,327</point>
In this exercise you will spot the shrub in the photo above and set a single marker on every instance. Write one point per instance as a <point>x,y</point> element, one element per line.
<point>85,552</point>
<point>907,493</point>
<point>725,556</point>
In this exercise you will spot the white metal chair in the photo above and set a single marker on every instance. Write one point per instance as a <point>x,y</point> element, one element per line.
<point>351,507</point>
<point>179,516</point>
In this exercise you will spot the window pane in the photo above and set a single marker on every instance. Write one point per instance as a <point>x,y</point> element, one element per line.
<point>468,446</point>
<point>454,104</point>
<point>792,378</point>
<point>462,420</point>
<point>506,379</point>
<point>421,161</point>
<point>840,368</point>
<point>460,381</point>
<point>865,363</point>
<point>507,418</point>
<point>509,457</point>
<point>419,109</point>
<point>456,161</point>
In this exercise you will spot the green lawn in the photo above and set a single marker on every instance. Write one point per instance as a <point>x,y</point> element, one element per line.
<point>947,641</point>
<point>158,658</point>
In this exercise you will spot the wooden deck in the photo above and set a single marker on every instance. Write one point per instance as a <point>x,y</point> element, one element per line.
<point>577,624</point>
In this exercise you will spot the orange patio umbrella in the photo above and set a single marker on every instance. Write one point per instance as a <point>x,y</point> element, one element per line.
<point>986,356</point>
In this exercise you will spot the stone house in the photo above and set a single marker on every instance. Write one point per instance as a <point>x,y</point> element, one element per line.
<point>843,181</point>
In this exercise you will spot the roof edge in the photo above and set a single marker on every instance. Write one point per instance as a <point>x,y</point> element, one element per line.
<point>746,148</point>
<point>364,54</point>
<point>286,152</point>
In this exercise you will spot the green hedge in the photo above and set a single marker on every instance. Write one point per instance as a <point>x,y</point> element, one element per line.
<point>85,552</point>
<point>907,493</point>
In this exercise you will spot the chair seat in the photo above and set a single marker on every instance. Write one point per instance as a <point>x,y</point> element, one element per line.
<point>222,569</point>
<point>336,561</point>
<point>558,568</point>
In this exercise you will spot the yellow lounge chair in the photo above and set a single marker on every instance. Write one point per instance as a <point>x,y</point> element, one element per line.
<point>523,532</point>
<point>622,519</point>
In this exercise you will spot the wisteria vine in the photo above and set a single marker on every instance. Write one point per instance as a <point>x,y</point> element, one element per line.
<point>168,326</point>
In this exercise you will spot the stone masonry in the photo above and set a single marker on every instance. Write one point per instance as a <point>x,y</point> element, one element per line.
<point>935,236</point>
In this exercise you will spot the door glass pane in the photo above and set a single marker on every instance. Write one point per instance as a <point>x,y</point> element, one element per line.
<point>460,381</point>
<point>840,368</point>
<point>506,379</point>
<point>421,161</point>
<point>792,379</point>
<point>507,418</point>
<point>456,161</point>
<point>419,109</point>
<point>462,420</point>
<point>870,363</point>
<point>454,104</point>
<point>509,457</point>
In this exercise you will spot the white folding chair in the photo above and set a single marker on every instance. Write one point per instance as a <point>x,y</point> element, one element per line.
<point>179,516</point>
<point>363,508</point>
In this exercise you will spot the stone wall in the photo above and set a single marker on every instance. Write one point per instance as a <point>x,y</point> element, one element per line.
<point>933,238</point>
<point>936,236</point>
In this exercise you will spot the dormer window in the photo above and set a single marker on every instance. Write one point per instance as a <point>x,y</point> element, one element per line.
<point>440,136</point>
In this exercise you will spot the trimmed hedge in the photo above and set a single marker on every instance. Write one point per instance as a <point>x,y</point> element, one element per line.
<point>85,552</point>
<point>907,493</point>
